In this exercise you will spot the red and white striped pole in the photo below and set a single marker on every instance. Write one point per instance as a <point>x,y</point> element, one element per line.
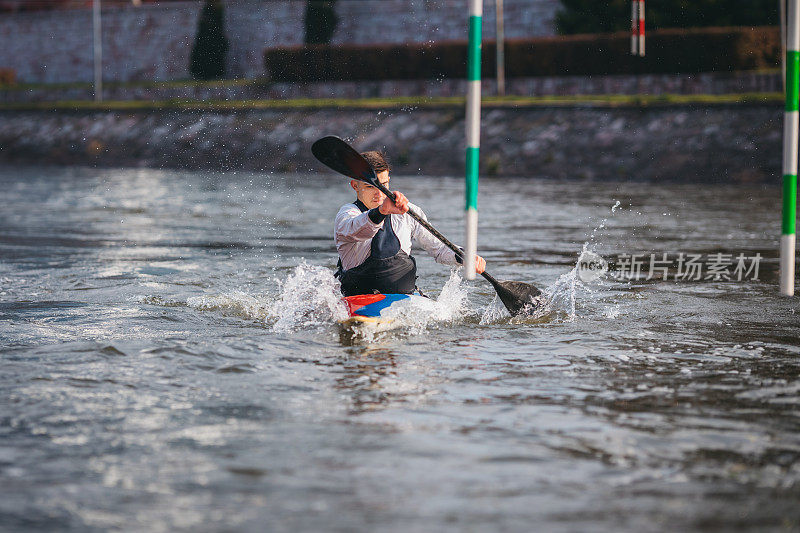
<point>641,28</point>
<point>637,27</point>
<point>634,27</point>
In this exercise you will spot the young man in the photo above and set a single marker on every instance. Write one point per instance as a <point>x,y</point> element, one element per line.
<point>373,236</point>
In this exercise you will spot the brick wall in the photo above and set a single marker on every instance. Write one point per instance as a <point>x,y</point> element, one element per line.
<point>153,42</point>
<point>252,26</point>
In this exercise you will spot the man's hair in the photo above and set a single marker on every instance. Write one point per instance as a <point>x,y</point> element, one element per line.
<point>377,160</point>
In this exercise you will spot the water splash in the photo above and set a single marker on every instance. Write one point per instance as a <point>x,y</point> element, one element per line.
<point>417,314</point>
<point>560,298</point>
<point>589,272</point>
<point>602,225</point>
<point>310,297</point>
<point>237,303</point>
<point>451,304</point>
<point>494,312</point>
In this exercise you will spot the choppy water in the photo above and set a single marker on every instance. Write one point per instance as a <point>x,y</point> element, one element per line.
<point>170,361</point>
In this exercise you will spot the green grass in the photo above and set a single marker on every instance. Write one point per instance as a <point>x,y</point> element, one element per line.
<point>404,101</point>
<point>174,84</point>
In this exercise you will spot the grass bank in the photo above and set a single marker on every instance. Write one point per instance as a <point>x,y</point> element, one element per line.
<point>405,101</point>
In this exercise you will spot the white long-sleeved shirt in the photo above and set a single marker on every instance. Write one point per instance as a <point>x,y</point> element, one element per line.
<point>353,233</point>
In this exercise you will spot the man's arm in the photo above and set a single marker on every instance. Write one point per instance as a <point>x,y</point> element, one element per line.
<point>352,225</point>
<point>436,248</point>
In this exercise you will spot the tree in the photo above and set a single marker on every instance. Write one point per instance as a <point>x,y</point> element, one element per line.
<point>593,16</point>
<point>207,61</point>
<point>320,21</point>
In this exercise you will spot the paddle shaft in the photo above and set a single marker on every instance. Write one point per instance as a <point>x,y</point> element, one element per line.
<point>425,224</point>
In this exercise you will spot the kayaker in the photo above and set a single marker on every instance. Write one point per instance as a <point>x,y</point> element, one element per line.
<point>373,236</point>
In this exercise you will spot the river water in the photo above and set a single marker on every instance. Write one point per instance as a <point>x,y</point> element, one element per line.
<point>170,360</point>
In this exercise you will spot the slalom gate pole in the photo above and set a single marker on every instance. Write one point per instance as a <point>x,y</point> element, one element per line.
<point>641,28</point>
<point>634,27</point>
<point>473,131</point>
<point>790,139</point>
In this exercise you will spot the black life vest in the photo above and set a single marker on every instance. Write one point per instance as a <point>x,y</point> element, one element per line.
<point>387,269</point>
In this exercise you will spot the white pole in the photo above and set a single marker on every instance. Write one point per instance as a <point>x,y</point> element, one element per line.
<point>783,41</point>
<point>98,52</point>
<point>790,139</point>
<point>473,131</point>
<point>500,39</point>
<point>634,27</point>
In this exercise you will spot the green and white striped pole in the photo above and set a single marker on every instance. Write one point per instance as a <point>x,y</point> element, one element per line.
<point>790,139</point>
<point>473,127</point>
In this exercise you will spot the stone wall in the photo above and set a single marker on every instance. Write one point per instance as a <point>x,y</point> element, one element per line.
<point>153,42</point>
<point>703,143</point>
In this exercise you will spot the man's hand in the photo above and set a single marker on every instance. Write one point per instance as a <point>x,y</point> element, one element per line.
<point>480,264</point>
<point>398,207</point>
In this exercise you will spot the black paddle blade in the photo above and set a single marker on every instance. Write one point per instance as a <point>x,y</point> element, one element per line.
<point>518,297</point>
<point>341,157</point>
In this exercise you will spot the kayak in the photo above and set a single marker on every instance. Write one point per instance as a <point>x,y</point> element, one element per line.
<point>378,312</point>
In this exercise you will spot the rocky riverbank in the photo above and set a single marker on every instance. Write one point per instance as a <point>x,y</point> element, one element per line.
<point>736,143</point>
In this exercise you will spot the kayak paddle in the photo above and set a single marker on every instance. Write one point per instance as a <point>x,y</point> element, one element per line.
<point>344,159</point>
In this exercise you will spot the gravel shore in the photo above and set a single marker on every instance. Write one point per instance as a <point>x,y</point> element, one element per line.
<point>713,143</point>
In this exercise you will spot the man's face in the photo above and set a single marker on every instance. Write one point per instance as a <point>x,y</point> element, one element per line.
<point>370,196</point>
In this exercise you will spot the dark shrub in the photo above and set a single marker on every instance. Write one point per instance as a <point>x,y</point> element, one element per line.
<point>207,60</point>
<point>321,21</point>
<point>668,51</point>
